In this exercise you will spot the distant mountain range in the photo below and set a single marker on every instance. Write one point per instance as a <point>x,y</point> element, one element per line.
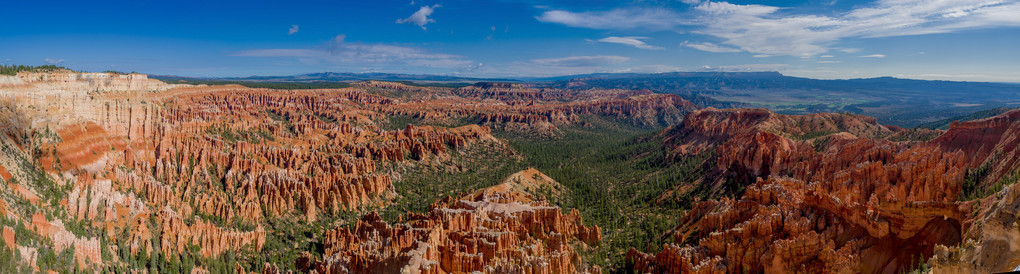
<point>767,80</point>
<point>344,77</point>
<point>894,101</point>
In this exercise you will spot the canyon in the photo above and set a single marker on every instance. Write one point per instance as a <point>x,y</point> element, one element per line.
<point>849,200</point>
<point>158,169</point>
<point>125,173</point>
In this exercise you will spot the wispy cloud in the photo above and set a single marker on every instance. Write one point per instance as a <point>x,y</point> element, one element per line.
<point>762,29</point>
<point>630,41</point>
<point>420,17</point>
<point>293,29</point>
<point>622,18</point>
<point>54,61</point>
<point>709,47</point>
<point>581,61</point>
<point>338,51</point>
<point>829,62</point>
<point>753,28</point>
<point>874,56</point>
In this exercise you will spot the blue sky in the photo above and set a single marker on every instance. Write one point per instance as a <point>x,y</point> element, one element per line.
<point>971,40</point>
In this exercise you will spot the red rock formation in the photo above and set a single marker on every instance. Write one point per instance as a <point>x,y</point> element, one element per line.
<point>539,111</point>
<point>213,240</point>
<point>786,225</point>
<point>993,140</point>
<point>8,236</point>
<point>849,203</point>
<point>4,174</point>
<point>204,159</point>
<point>81,145</point>
<point>499,229</point>
<point>235,153</point>
<point>86,250</point>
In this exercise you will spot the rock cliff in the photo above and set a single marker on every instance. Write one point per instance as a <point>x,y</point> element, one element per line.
<point>991,242</point>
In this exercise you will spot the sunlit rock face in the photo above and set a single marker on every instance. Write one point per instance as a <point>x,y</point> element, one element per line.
<point>993,240</point>
<point>847,199</point>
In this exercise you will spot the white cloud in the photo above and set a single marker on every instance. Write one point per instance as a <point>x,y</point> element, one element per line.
<point>338,51</point>
<point>914,17</point>
<point>420,17</point>
<point>581,61</point>
<point>829,62</point>
<point>709,47</point>
<point>769,30</point>
<point>54,61</point>
<point>630,41</point>
<point>761,56</point>
<point>622,18</point>
<point>724,8</point>
<point>765,29</point>
<point>752,28</point>
<point>874,56</point>
<point>293,29</point>
<point>826,56</point>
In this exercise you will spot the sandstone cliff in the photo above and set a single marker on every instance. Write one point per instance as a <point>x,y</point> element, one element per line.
<point>993,242</point>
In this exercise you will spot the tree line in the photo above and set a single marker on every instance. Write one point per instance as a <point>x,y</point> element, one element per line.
<point>14,69</point>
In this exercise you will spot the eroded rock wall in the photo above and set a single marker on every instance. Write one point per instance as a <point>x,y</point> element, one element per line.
<point>845,200</point>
